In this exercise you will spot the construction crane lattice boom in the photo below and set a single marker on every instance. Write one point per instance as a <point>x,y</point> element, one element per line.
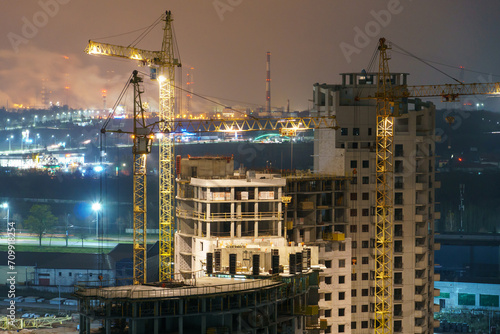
<point>164,62</point>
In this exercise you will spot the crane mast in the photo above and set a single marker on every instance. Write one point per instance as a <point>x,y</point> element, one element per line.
<point>166,160</point>
<point>141,148</point>
<point>387,98</point>
<point>164,62</point>
<point>384,192</point>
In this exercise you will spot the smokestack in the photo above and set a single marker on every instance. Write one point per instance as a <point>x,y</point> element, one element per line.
<point>104,94</point>
<point>189,94</point>
<point>268,83</point>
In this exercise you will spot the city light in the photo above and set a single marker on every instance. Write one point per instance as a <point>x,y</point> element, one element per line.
<point>96,206</point>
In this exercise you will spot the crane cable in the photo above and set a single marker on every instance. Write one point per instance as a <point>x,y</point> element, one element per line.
<point>452,66</point>
<point>207,99</point>
<point>102,186</point>
<point>113,110</point>
<point>426,63</point>
<point>146,31</point>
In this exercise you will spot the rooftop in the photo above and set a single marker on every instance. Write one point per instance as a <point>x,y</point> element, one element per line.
<point>201,286</point>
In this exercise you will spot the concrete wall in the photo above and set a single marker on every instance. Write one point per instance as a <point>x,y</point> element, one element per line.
<point>329,284</point>
<point>70,277</point>
<point>207,167</point>
<point>22,275</point>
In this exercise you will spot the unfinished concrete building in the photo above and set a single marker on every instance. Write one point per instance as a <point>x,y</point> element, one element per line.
<point>310,204</point>
<point>217,208</point>
<point>220,303</point>
<point>317,204</point>
<point>350,151</point>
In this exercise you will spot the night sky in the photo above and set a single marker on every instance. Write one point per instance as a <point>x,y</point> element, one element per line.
<point>226,42</point>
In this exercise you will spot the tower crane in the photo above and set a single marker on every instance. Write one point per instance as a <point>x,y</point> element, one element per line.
<point>162,64</point>
<point>143,136</point>
<point>387,100</point>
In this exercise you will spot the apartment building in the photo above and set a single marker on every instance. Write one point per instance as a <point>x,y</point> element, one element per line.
<point>350,151</point>
<point>317,204</point>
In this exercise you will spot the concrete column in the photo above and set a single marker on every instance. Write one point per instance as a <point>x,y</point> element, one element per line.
<point>281,215</point>
<point>157,320</point>
<point>107,321</point>
<point>256,214</point>
<point>203,317</point>
<point>108,326</point>
<point>181,317</point>
<point>208,218</point>
<point>133,321</point>
<point>199,222</point>
<point>238,223</point>
<point>87,325</point>
<point>83,321</point>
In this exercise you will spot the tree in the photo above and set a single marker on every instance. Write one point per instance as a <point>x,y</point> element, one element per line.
<point>40,220</point>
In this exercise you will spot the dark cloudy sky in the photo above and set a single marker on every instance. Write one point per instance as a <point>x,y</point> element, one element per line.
<point>226,42</point>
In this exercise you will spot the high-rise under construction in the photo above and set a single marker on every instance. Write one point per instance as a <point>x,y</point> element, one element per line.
<point>351,151</point>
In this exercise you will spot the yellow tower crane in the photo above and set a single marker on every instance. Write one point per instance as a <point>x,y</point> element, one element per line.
<point>164,62</point>
<point>387,100</point>
<point>163,65</point>
<point>384,204</point>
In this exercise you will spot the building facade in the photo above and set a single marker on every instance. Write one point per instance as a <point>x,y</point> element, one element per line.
<point>317,204</point>
<point>350,151</point>
<point>217,208</point>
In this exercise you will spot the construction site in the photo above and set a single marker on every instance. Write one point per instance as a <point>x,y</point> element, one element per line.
<point>347,247</point>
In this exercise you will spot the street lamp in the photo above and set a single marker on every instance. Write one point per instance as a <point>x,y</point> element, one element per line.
<point>67,226</point>
<point>6,206</point>
<point>10,140</point>
<point>96,207</point>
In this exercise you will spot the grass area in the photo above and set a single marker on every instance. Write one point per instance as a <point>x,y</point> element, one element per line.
<point>60,249</point>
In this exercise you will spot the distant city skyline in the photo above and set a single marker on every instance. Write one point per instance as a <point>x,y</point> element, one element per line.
<point>226,42</point>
